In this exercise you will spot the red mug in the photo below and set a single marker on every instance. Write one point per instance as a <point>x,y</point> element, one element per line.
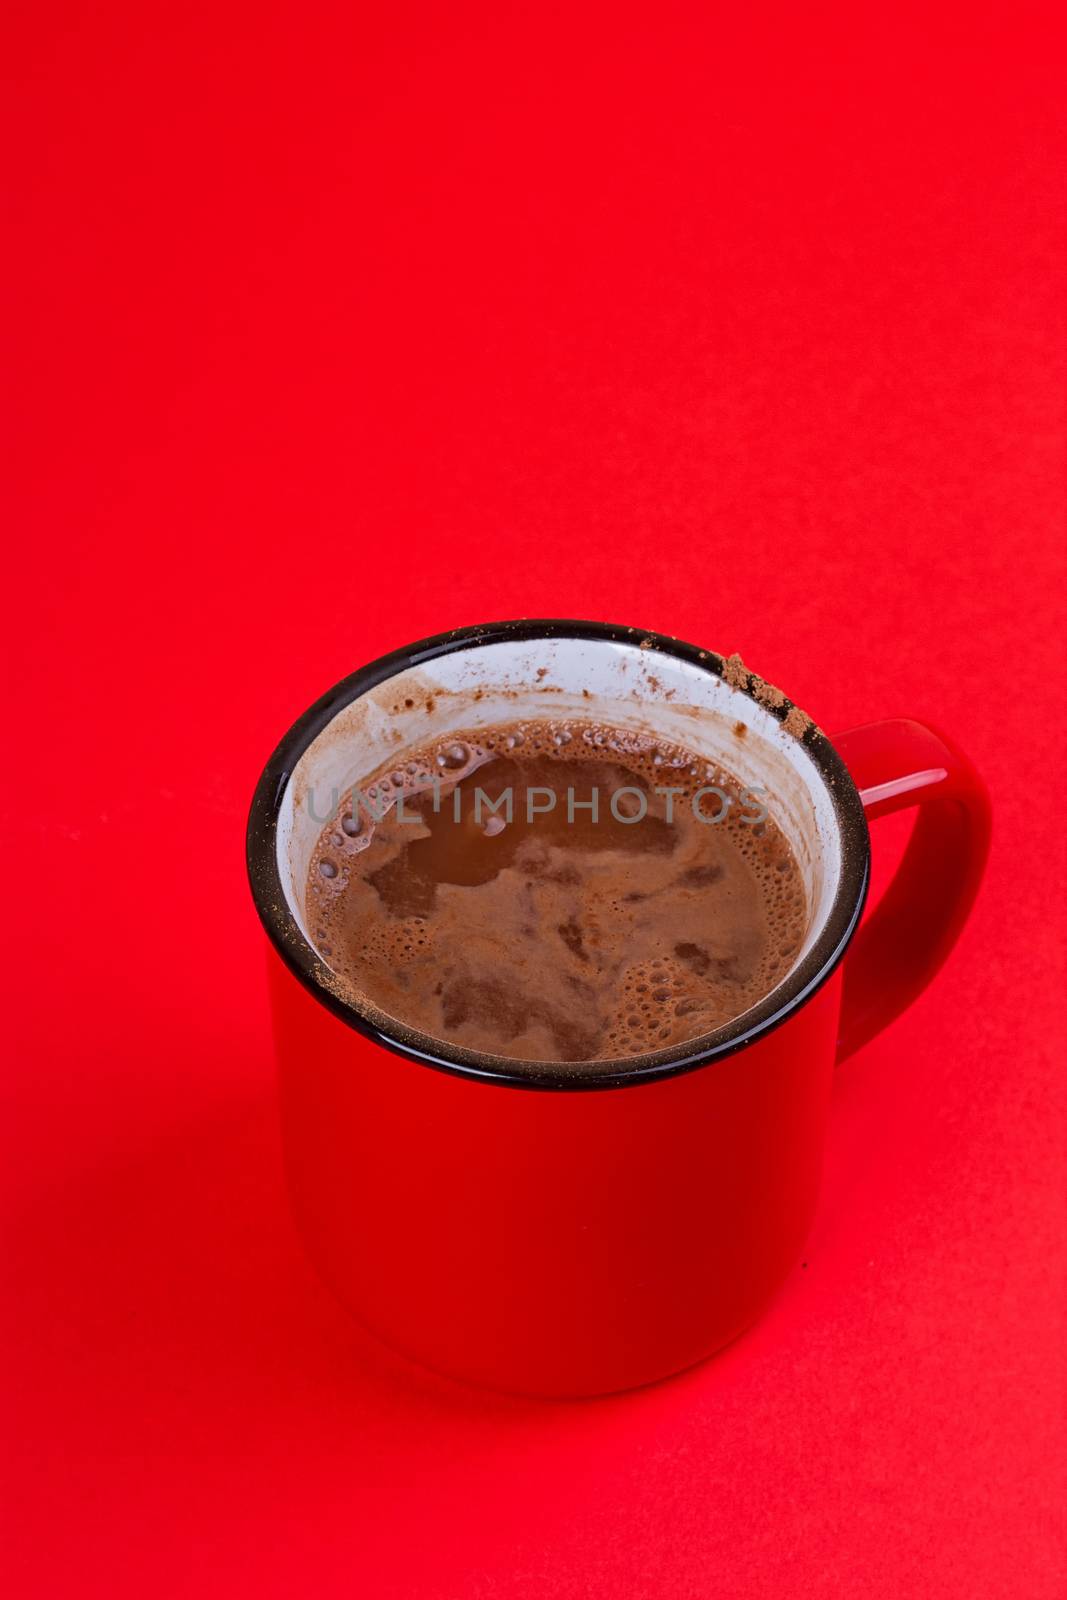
<point>531,1227</point>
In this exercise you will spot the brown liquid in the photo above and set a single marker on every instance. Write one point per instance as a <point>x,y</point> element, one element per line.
<point>553,936</point>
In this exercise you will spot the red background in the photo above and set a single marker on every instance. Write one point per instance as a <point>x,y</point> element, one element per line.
<point>337,328</point>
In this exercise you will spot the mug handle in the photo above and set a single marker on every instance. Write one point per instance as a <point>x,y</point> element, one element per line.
<point>896,764</point>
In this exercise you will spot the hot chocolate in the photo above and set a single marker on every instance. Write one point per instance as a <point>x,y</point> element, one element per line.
<point>555,890</point>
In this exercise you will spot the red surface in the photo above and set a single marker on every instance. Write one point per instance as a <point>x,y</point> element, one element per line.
<point>746,331</point>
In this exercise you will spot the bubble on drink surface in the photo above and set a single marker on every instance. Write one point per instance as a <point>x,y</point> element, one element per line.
<point>453,756</point>
<point>327,867</point>
<point>513,739</point>
<point>493,826</point>
<point>352,825</point>
<point>380,799</point>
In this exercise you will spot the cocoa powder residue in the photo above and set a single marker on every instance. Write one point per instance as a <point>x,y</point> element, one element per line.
<point>797,722</point>
<point>734,672</point>
<point>738,676</point>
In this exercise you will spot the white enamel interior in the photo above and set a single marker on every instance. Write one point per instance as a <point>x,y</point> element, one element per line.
<point>627,686</point>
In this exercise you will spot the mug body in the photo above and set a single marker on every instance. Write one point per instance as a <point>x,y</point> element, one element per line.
<point>536,1226</point>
